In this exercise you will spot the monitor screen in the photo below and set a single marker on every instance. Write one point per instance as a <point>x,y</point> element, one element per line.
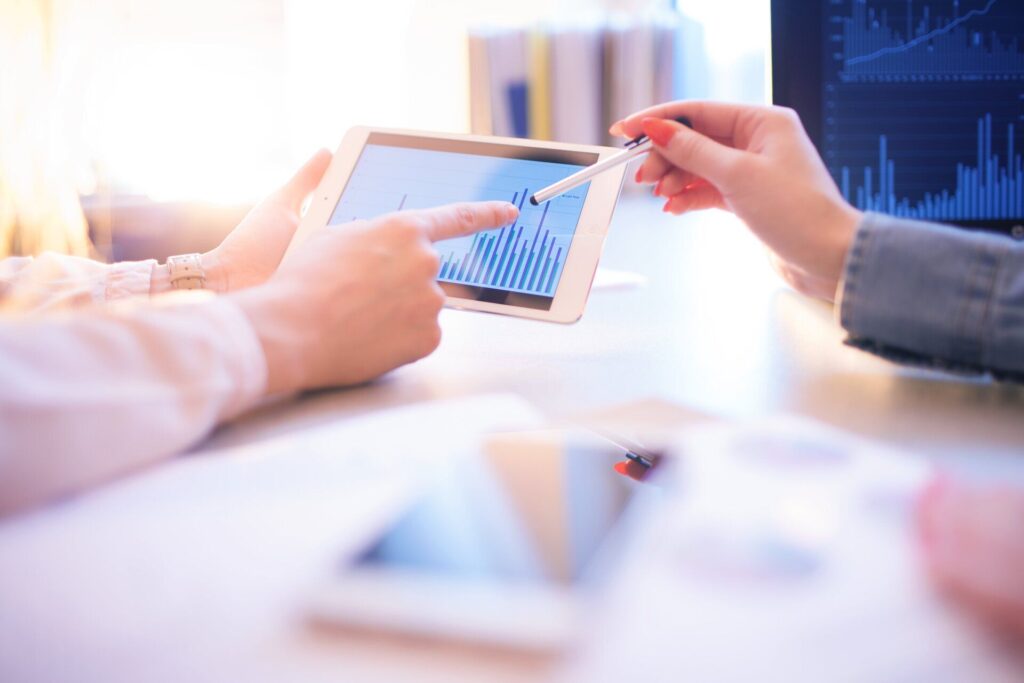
<point>915,105</point>
<point>518,264</point>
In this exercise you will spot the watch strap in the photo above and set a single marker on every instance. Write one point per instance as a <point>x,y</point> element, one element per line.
<point>185,271</point>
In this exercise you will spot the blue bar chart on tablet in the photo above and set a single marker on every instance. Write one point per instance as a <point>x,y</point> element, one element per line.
<point>512,259</point>
<point>527,256</point>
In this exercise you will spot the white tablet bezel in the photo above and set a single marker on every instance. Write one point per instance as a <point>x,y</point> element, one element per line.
<point>584,252</point>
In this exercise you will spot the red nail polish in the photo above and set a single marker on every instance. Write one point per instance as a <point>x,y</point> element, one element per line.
<point>660,131</point>
<point>657,187</point>
<point>640,174</point>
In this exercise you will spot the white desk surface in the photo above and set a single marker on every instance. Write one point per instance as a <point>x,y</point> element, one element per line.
<point>195,570</point>
<point>714,329</point>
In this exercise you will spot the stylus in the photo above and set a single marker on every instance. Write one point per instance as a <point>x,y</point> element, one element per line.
<point>634,451</point>
<point>634,148</point>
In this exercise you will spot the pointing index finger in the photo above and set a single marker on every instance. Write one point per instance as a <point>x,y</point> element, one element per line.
<point>466,218</point>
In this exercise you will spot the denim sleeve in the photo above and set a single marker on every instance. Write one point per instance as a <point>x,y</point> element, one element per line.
<point>934,296</point>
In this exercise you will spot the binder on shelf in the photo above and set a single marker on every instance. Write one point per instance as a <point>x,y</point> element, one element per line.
<point>539,87</point>
<point>576,75</point>
<point>568,81</point>
<point>508,70</point>
<point>480,116</point>
<point>629,69</point>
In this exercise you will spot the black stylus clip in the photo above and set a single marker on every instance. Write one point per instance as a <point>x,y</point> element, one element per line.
<point>643,460</point>
<point>642,138</point>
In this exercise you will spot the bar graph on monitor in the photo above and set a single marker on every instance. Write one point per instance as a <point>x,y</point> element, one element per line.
<point>922,101</point>
<point>992,188</point>
<point>907,40</point>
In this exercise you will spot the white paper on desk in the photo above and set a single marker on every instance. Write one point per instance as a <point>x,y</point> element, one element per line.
<point>605,279</point>
<point>194,571</point>
<point>788,557</point>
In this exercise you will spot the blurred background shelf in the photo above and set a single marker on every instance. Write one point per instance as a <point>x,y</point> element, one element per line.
<point>569,80</point>
<point>109,100</point>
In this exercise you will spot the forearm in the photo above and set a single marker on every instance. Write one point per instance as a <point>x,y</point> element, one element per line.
<point>936,296</point>
<point>86,398</point>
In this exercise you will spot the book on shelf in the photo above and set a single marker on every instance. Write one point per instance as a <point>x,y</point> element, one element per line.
<point>568,81</point>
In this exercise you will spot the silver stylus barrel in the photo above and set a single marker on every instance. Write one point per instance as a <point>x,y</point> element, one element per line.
<point>581,177</point>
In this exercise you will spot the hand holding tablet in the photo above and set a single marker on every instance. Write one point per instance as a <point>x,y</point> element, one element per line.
<point>354,302</point>
<point>538,266</point>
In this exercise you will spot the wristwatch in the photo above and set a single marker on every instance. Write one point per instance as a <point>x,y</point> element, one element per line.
<point>186,271</point>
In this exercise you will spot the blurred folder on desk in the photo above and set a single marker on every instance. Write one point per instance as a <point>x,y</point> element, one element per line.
<point>568,81</point>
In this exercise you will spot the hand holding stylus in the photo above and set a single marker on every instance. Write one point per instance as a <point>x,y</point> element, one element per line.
<point>758,163</point>
<point>635,148</point>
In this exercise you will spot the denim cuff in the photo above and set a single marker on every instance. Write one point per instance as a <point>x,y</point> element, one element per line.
<point>935,296</point>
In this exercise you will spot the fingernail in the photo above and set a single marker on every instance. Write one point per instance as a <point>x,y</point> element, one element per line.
<point>640,174</point>
<point>657,187</point>
<point>660,131</point>
<point>616,128</point>
<point>511,211</point>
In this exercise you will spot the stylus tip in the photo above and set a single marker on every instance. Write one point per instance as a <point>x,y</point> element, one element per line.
<point>533,200</point>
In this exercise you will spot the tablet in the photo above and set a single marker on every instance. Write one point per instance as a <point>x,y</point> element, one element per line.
<point>539,267</point>
<point>510,548</point>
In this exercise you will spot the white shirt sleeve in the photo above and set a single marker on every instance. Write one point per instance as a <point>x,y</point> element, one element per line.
<point>86,395</point>
<point>52,282</point>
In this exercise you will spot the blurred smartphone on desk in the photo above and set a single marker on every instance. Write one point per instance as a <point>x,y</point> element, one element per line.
<point>506,548</point>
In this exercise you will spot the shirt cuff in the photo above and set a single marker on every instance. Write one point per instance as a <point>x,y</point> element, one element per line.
<point>922,294</point>
<point>127,279</point>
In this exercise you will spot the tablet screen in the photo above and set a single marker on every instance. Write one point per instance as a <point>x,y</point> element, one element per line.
<point>518,264</point>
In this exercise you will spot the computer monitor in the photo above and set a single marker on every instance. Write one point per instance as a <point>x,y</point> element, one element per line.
<point>916,106</point>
